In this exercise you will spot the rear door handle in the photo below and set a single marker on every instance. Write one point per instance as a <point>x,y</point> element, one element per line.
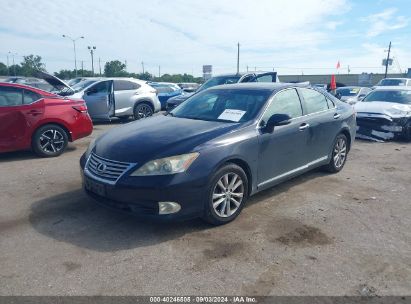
<point>336,116</point>
<point>304,126</point>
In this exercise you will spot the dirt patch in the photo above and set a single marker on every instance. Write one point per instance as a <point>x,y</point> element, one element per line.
<point>71,266</point>
<point>222,250</point>
<point>305,235</point>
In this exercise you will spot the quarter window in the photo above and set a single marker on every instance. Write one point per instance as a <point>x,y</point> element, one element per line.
<point>30,97</point>
<point>10,96</point>
<point>284,102</point>
<point>124,85</point>
<point>314,101</point>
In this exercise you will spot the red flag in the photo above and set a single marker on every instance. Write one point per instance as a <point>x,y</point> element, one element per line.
<point>338,64</point>
<point>333,84</point>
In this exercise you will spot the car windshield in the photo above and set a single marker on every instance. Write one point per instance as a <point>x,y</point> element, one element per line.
<point>215,81</point>
<point>348,91</point>
<point>392,82</point>
<point>398,96</point>
<point>223,105</point>
<point>82,85</point>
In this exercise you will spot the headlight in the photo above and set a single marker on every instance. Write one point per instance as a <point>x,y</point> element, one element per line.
<point>168,165</point>
<point>91,146</point>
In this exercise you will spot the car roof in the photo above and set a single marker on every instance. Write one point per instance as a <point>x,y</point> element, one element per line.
<point>398,78</point>
<point>392,88</point>
<point>272,86</point>
<point>23,86</point>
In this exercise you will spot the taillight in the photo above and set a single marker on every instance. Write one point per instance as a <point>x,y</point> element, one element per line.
<point>81,108</point>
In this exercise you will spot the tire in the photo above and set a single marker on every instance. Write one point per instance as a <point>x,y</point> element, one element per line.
<point>219,197</point>
<point>143,110</point>
<point>339,154</point>
<point>49,141</point>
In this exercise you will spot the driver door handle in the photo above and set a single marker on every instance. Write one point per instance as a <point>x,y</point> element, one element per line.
<point>336,116</point>
<point>304,126</point>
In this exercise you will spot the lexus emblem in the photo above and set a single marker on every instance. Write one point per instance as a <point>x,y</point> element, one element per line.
<point>101,168</point>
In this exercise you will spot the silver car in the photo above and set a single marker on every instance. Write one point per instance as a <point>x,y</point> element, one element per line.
<point>111,97</point>
<point>352,95</point>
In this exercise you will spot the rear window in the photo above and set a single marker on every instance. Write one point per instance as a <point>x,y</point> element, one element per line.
<point>348,91</point>
<point>124,85</point>
<point>393,82</point>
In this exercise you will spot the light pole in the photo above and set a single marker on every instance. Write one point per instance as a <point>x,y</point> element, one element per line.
<point>74,47</point>
<point>92,49</point>
<point>14,66</point>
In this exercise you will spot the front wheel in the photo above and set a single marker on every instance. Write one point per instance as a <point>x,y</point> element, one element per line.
<point>142,110</point>
<point>49,141</point>
<point>227,194</point>
<point>339,154</point>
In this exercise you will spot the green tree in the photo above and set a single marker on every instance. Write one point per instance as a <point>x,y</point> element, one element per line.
<point>115,68</point>
<point>31,64</point>
<point>3,69</point>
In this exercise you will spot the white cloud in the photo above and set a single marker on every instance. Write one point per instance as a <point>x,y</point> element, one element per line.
<point>385,21</point>
<point>179,35</point>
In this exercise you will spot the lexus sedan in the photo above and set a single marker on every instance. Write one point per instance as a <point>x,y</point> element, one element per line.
<point>31,118</point>
<point>224,144</point>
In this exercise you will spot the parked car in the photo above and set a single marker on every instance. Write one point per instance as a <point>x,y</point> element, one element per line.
<point>207,156</point>
<point>165,91</point>
<point>353,94</point>
<point>76,80</point>
<point>29,81</point>
<point>385,114</point>
<point>189,87</point>
<point>111,97</point>
<point>394,82</point>
<point>36,119</point>
<point>225,79</point>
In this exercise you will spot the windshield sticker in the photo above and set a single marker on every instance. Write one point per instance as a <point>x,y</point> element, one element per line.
<point>354,90</point>
<point>232,115</point>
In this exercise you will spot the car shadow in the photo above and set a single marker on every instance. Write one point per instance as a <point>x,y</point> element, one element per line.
<point>75,218</point>
<point>29,155</point>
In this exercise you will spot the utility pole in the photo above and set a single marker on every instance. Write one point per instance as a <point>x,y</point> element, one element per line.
<point>247,68</point>
<point>8,65</point>
<point>92,49</point>
<point>14,66</point>
<point>238,58</point>
<point>159,71</point>
<point>82,69</point>
<point>348,69</point>
<point>142,65</point>
<point>388,59</point>
<point>99,65</point>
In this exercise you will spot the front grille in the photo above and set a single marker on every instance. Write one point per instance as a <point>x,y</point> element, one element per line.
<point>106,169</point>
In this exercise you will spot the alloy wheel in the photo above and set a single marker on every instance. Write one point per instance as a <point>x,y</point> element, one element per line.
<point>228,194</point>
<point>340,152</point>
<point>51,141</point>
<point>144,111</point>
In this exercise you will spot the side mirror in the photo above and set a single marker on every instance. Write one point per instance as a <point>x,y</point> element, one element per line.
<point>277,120</point>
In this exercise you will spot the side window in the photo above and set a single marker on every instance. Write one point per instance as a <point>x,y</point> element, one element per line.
<point>265,78</point>
<point>284,102</point>
<point>101,87</point>
<point>124,85</point>
<point>30,97</point>
<point>314,101</point>
<point>10,96</point>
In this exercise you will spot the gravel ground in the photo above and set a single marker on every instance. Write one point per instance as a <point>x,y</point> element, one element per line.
<point>318,234</point>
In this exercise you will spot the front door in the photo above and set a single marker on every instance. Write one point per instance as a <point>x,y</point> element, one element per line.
<point>282,151</point>
<point>100,100</point>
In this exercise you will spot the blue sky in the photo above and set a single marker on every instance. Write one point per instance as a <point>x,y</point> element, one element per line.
<point>292,37</point>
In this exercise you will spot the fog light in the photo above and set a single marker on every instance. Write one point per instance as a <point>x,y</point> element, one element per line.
<point>168,207</point>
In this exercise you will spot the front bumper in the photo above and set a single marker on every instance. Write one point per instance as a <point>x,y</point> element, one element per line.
<point>140,196</point>
<point>382,127</point>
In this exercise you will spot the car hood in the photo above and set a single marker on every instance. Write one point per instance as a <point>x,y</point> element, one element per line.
<point>180,98</point>
<point>157,137</point>
<point>381,107</point>
<point>55,82</point>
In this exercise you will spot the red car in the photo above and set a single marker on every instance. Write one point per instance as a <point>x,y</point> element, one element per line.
<point>43,121</point>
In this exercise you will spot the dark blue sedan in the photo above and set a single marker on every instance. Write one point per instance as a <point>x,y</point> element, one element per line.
<point>207,156</point>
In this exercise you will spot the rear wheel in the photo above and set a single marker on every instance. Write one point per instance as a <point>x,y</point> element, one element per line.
<point>227,194</point>
<point>49,141</point>
<point>142,110</point>
<point>339,154</point>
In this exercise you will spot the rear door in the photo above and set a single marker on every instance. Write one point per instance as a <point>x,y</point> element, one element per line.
<point>20,110</point>
<point>124,91</point>
<point>324,123</point>
<point>283,151</point>
<point>100,100</point>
